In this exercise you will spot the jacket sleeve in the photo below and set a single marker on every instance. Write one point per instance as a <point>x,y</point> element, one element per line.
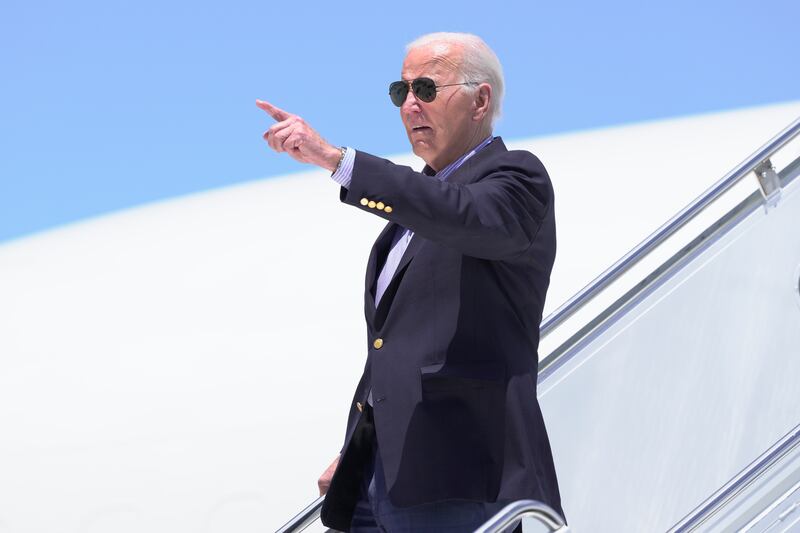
<point>495,217</point>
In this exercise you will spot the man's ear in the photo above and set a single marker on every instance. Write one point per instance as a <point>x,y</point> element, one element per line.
<point>483,97</point>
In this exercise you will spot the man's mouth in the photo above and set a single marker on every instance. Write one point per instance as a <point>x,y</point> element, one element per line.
<point>420,128</point>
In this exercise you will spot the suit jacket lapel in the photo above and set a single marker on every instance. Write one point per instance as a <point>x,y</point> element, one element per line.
<point>387,299</point>
<point>463,174</point>
<point>377,258</point>
<point>408,255</point>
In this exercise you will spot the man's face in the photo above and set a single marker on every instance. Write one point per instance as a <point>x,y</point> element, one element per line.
<point>442,130</point>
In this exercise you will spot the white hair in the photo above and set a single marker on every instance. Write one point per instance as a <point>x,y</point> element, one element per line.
<point>479,63</point>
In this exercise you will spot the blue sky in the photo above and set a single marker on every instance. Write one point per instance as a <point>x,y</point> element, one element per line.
<point>105,105</point>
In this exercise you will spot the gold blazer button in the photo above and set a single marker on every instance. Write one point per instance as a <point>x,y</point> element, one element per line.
<point>364,201</point>
<point>380,205</point>
<point>371,204</point>
<point>378,343</point>
<point>388,209</point>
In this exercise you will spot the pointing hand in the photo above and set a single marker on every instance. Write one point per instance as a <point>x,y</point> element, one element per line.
<point>291,134</point>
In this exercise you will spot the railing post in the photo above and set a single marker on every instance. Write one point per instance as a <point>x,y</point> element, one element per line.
<point>769,183</point>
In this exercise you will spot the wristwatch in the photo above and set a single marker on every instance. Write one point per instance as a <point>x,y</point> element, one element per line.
<point>341,158</point>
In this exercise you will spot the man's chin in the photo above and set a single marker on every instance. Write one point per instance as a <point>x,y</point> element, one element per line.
<point>421,148</point>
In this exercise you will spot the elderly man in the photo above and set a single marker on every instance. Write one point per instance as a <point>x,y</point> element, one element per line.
<point>445,428</point>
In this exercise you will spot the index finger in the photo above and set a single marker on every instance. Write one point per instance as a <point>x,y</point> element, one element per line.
<point>275,112</point>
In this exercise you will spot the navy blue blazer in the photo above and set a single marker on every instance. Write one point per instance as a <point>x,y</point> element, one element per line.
<point>452,346</point>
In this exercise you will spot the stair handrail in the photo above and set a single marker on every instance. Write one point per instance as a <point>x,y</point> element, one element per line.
<point>520,509</point>
<point>688,213</point>
<point>304,518</point>
<point>741,481</point>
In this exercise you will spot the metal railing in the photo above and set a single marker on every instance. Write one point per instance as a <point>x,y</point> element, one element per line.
<point>503,519</point>
<point>304,518</point>
<point>589,329</point>
<point>514,511</point>
<point>744,479</point>
<point>613,273</point>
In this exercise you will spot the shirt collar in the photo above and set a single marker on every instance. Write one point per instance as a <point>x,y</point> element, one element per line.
<point>452,167</point>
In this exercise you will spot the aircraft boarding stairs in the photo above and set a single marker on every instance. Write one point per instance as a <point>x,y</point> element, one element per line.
<point>670,385</point>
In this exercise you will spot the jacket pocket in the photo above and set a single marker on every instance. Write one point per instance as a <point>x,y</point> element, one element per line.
<point>462,425</point>
<point>445,377</point>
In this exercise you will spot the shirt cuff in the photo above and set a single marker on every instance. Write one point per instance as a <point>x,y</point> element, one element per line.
<point>344,174</point>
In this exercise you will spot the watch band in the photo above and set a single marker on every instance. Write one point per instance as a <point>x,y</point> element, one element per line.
<point>341,158</point>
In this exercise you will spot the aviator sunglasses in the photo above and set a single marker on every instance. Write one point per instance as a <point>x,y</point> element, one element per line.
<point>423,88</point>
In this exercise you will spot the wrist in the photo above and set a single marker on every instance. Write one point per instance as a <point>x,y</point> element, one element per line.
<point>334,158</point>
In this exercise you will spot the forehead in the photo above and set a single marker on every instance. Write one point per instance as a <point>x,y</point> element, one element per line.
<point>435,60</point>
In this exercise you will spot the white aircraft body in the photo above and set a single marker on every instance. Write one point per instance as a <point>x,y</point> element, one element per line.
<point>188,365</point>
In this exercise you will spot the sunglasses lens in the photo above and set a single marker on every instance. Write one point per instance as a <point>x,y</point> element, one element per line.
<point>398,91</point>
<point>424,89</point>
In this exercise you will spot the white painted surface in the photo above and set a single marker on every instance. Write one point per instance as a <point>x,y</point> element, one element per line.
<point>188,365</point>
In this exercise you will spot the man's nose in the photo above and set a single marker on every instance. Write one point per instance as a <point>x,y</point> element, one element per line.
<point>411,100</point>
